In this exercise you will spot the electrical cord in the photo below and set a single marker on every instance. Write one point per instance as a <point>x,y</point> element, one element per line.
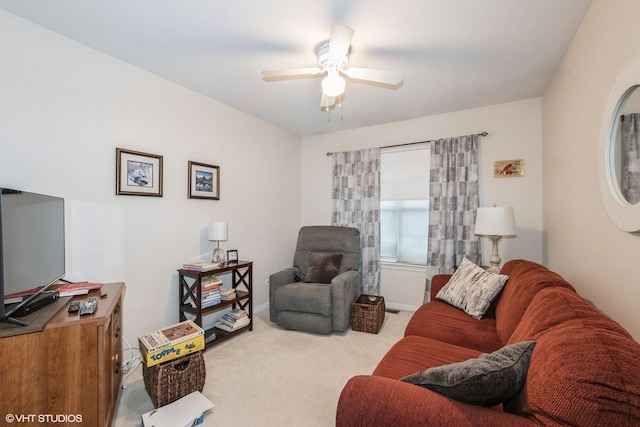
<point>130,365</point>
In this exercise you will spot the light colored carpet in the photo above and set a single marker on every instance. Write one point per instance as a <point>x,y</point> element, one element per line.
<point>274,377</point>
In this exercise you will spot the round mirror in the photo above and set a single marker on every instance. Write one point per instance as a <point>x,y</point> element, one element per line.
<point>625,147</point>
<point>619,151</point>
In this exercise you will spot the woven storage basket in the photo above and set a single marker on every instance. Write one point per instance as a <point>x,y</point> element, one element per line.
<point>367,315</point>
<point>169,381</point>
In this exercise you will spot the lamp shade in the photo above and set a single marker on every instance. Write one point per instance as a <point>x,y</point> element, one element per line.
<point>495,221</point>
<point>218,230</point>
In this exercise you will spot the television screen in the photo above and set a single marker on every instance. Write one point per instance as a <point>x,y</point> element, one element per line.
<point>32,244</point>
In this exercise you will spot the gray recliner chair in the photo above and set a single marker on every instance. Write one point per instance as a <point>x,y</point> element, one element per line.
<point>315,295</point>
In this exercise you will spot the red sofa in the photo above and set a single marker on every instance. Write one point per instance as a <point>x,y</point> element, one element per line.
<point>584,369</point>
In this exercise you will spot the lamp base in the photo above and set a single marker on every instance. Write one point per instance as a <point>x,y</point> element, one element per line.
<point>494,260</point>
<point>218,256</point>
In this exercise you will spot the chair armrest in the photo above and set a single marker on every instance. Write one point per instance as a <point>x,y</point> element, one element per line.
<point>346,278</point>
<point>437,282</point>
<point>368,400</point>
<point>276,280</point>
<point>282,277</point>
<point>345,288</point>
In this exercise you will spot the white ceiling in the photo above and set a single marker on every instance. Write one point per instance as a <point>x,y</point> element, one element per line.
<point>454,54</point>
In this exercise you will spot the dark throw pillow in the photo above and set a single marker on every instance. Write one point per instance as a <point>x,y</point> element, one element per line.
<point>488,380</point>
<point>472,288</point>
<point>322,267</point>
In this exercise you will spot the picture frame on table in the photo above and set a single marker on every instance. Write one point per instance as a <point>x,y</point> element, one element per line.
<point>138,173</point>
<point>232,256</point>
<point>204,181</point>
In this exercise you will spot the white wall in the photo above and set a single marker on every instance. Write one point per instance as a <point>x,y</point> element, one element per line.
<point>64,108</point>
<point>583,244</point>
<point>514,133</point>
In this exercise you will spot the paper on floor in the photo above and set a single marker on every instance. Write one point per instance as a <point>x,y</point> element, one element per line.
<point>183,412</point>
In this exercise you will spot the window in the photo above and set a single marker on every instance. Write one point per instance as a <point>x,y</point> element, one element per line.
<point>403,230</point>
<point>404,204</point>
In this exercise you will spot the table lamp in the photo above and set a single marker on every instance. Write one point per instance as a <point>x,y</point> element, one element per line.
<point>218,231</point>
<point>495,222</point>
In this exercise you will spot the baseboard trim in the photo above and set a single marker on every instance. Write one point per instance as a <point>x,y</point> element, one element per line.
<point>392,306</point>
<point>261,307</point>
<point>400,307</point>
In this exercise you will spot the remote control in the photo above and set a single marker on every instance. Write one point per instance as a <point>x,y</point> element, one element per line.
<point>89,306</point>
<point>74,307</point>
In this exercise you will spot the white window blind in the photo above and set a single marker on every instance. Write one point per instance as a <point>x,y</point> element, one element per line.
<point>404,205</point>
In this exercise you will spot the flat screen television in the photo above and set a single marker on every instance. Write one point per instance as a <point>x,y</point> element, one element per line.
<point>32,246</point>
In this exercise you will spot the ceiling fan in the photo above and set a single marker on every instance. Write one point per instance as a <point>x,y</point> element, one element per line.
<point>333,57</point>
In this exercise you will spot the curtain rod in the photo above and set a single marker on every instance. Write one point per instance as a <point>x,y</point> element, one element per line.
<point>483,133</point>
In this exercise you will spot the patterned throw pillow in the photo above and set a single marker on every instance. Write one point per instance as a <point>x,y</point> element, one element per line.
<point>488,380</point>
<point>472,289</point>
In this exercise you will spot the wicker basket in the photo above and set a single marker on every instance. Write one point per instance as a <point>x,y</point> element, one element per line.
<point>367,315</point>
<point>169,381</point>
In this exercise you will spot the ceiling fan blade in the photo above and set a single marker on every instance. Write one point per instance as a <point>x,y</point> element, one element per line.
<point>292,72</point>
<point>340,41</point>
<point>392,78</point>
<point>326,102</point>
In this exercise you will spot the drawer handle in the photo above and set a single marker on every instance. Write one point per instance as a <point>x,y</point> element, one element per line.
<point>118,366</point>
<point>117,332</point>
<point>117,309</point>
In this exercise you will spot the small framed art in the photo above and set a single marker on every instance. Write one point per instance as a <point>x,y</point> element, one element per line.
<point>508,168</point>
<point>204,181</point>
<point>138,174</point>
<point>232,255</point>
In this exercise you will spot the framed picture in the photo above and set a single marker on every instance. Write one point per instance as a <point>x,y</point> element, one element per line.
<point>138,174</point>
<point>508,168</point>
<point>204,181</point>
<point>232,255</point>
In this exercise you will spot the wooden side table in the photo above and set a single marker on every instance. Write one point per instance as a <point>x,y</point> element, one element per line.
<point>190,290</point>
<point>367,314</point>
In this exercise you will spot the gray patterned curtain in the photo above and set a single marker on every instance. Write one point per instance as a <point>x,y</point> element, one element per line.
<point>356,203</point>
<point>453,201</point>
<point>630,183</point>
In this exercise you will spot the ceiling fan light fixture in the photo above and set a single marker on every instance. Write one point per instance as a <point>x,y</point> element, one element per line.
<point>333,84</point>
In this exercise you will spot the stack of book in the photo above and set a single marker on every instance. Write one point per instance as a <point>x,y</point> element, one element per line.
<point>233,320</point>
<point>227,294</point>
<point>210,299</point>
<point>210,286</point>
<point>81,288</point>
<point>200,266</point>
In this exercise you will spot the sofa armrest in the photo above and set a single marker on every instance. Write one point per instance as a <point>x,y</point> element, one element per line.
<point>378,401</point>
<point>437,282</point>
<point>276,280</point>
<point>345,288</point>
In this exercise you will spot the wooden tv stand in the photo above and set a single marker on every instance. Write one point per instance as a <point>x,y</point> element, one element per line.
<point>70,368</point>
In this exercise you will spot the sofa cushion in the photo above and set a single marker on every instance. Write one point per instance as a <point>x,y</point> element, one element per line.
<point>584,373</point>
<point>412,354</point>
<point>553,306</point>
<point>486,380</point>
<point>323,267</point>
<point>373,401</point>
<point>526,278</point>
<point>472,289</point>
<point>440,321</point>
